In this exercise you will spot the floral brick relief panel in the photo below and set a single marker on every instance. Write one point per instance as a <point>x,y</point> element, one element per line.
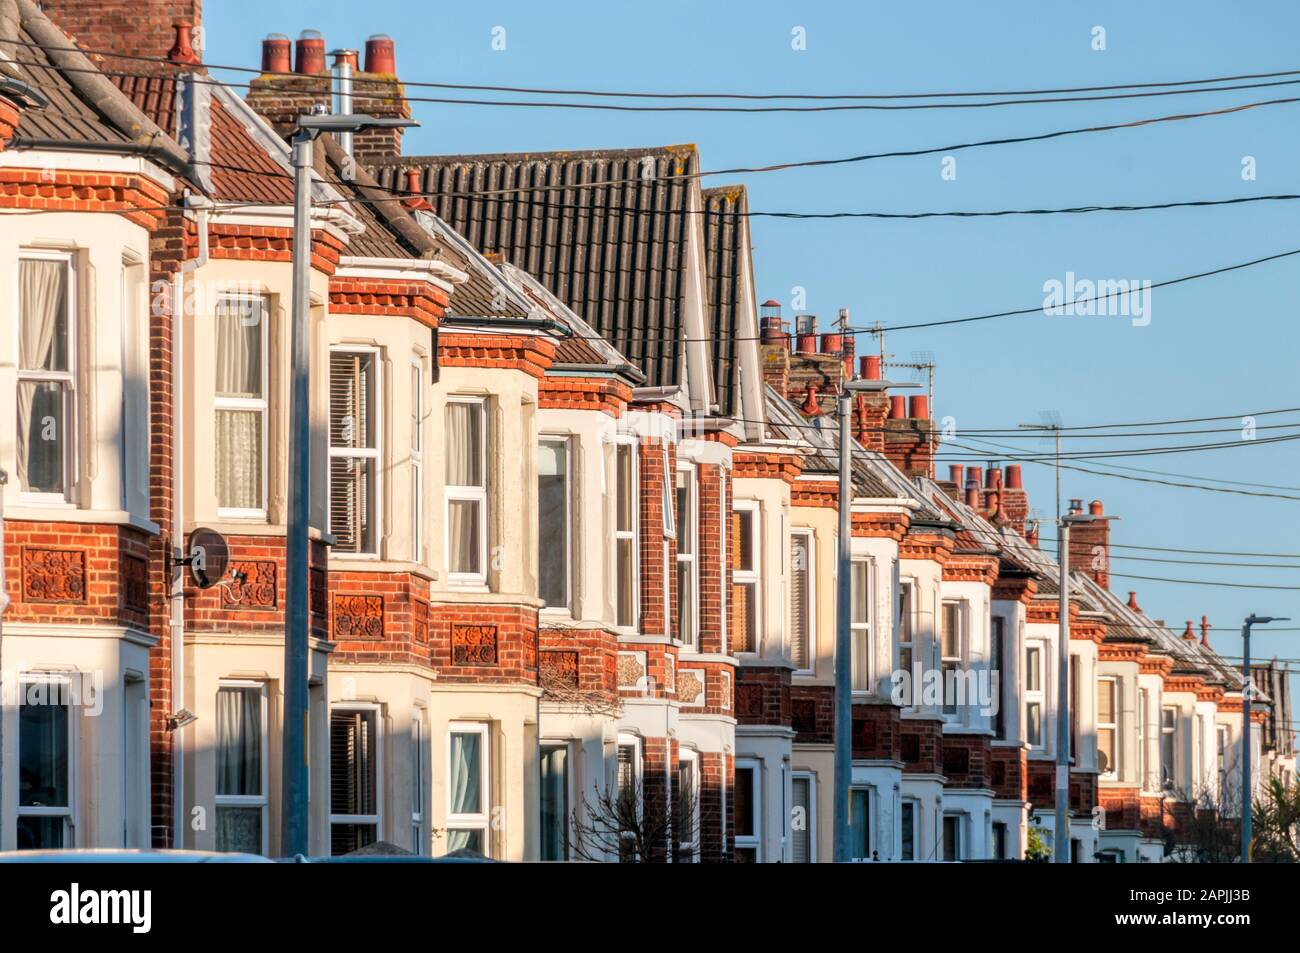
<point>560,668</point>
<point>474,645</point>
<point>253,588</point>
<point>358,617</point>
<point>135,584</point>
<point>54,575</point>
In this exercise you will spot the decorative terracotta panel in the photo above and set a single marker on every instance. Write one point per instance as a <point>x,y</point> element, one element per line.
<point>256,591</point>
<point>135,584</point>
<point>631,669</point>
<point>54,575</point>
<point>358,617</point>
<point>749,700</point>
<point>474,645</point>
<point>560,668</point>
<point>421,622</point>
<point>690,686</point>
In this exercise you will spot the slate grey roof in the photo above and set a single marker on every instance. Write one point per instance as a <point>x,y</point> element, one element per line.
<point>605,231</point>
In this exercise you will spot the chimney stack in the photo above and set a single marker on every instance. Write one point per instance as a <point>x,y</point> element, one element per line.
<point>775,347</point>
<point>310,53</point>
<point>146,28</point>
<point>1031,533</point>
<point>381,55</point>
<point>277,54</point>
<point>1090,542</point>
<point>1205,631</point>
<point>954,474</point>
<point>1188,634</point>
<point>1014,498</point>
<point>805,334</point>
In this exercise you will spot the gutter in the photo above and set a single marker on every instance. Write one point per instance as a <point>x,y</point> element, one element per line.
<point>630,371</point>
<point>147,150</point>
<point>503,321</point>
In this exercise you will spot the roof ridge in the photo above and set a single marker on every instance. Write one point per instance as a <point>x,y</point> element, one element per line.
<point>546,155</point>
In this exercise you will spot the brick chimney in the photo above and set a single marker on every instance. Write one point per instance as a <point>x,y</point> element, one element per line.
<point>375,89</point>
<point>821,367</point>
<point>1015,501</point>
<point>909,436</point>
<point>137,27</point>
<point>871,408</point>
<point>775,347</point>
<point>1090,543</point>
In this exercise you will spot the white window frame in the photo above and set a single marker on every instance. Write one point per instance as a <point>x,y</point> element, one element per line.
<point>810,830</point>
<point>59,685</point>
<point>416,464</point>
<point>908,585</point>
<point>263,800</point>
<point>1036,696</point>
<point>915,805</point>
<point>1111,683</point>
<point>477,494</point>
<point>1169,772</point>
<point>633,742</point>
<point>361,820</point>
<point>480,821</point>
<point>565,440</point>
<point>692,846</point>
<point>260,405</point>
<point>870,791</point>
<point>691,527</point>
<point>1223,744</point>
<point>68,378</point>
<point>1143,756</point>
<point>751,577</point>
<point>568,747</point>
<point>862,630</point>
<point>752,841</point>
<point>963,615</point>
<point>961,819</point>
<point>419,839</point>
<point>376,427</point>
<point>632,533</point>
<point>809,538</point>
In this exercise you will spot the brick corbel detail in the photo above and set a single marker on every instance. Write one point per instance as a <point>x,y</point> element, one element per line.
<point>778,466</point>
<point>1121,652</point>
<point>419,300</point>
<point>527,353</point>
<point>1014,589</point>
<point>881,525</point>
<point>601,394</point>
<point>136,197</point>
<point>971,569</point>
<point>935,547</point>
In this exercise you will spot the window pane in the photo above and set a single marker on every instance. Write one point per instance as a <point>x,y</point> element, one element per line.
<point>37,833</point>
<point>905,613</point>
<point>42,435</point>
<point>1033,670</point>
<point>801,820</point>
<point>686,602</point>
<point>470,840</point>
<point>800,600</point>
<point>239,347</point>
<point>626,770</point>
<point>860,823</point>
<point>950,634</point>
<point>951,837</point>
<point>743,633</point>
<point>464,545</point>
<point>861,594</point>
<point>43,308</point>
<point>685,513</point>
<point>352,763</point>
<point>43,754</point>
<point>1105,750</point>
<point>553,522</point>
<point>744,802</point>
<point>345,838</point>
<point>625,556</point>
<point>555,802</point>
<point>464,444</point>
<point>352,399</point>
<point>909,830</point>
<point>1106,702</point>
<point>353,504</point>
<point>742,540</point>
<point>239,459</point>
<point>626,494</point>
<point>239,741</point>
<point>239,829</point>
<point>1034,723</point>
<point>466,773</point>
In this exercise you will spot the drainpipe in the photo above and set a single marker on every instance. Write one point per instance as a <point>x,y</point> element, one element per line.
<point>201,207</point>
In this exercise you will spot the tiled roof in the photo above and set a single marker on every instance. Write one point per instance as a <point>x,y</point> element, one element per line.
<point>607,233</point>
<point>727,259</point>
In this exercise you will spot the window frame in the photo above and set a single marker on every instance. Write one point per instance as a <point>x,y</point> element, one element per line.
<point>263,800</point>
<point>914,804</point>
<point>61,683</point>
<point>566,744</point>
<point>634,743</point>
<point>810,831</point>
<point>416,460</point>
<point>752,841</point>
<point>809,537</point>
<point>688,526</point>
<point>691,848</point>
<point>419,718</point>
<point>959,819</point>
<point>627,443</point>
<point>751,577</point>
<point>479,494</point>
<point>953,713</point>
<point>1112,772</point>
<point>376,427</point>
<point>565,440</point>
<point>861,631</point>
<point>869,792</point>
<point>363,820</point>
<point>260,405</point>
<point>1170,770</point>
<point>481,821</point>
<point>1036,696</point>
<point>68,379</point>
<point>998,629</point>
<point>905,624</point>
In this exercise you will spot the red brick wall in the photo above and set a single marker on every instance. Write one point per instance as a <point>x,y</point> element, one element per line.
<point>282,99</point>
<point>483,644</point>
<point>922,745</point>
<point>1123,808</point>
<point>581,660</point>
<point>966,761</point>
<point>716,783</point>
<point>653,582</point>
<point>762,695</point>
<point>812,713</point>
<point>876,732</point>
<point>1009,773</point>
<point>714,576</point>
<point>125,26</point>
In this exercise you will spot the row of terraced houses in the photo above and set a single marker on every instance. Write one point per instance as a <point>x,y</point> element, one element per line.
<point>573,509</point>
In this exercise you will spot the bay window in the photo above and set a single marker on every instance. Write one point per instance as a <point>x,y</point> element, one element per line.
<point>906,626</point>
<point>1107,727</point>
<point>745,631</point>
<point>950,657</point>
<point>45,764</point>
<point>466,491</point>
<point>688,579</point>
<point>354,451</point>
<point>242,386</point>
<point>46,375</point>
<point>468,808</point>
<point>625,533</point>
<point>416,463</point>
<point>801,599</point>
<point>860,623</point>
<point>1034,654</point>
<point>355,774</point>
<point>241,798</point>
<point>554,523</point>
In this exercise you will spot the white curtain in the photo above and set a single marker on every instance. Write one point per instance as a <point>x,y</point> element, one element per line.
<point>42,346</point>
<point>239,741</point>
<point>466,784</point>
<point>239,432</point>
<point>464,469</point>
<point>239,348</point>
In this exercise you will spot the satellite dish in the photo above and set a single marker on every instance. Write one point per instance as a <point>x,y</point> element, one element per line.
<point>208,557</point>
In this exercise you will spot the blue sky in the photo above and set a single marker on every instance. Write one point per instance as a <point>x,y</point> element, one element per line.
<point>1224,345</point>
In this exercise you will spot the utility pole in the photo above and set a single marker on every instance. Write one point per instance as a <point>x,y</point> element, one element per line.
<point>1061,846</point>
<point>294,782</point>
<point>844,620</point>
<point>1247,691</point>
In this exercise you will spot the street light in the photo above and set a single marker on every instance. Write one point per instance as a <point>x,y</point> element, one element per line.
<point>1247,690</point>
<point>294,783</point>
<point>843,621</point>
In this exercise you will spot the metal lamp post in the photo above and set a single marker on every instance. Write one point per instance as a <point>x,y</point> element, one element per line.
<point>294,782</point>
<point>1248,690</point>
